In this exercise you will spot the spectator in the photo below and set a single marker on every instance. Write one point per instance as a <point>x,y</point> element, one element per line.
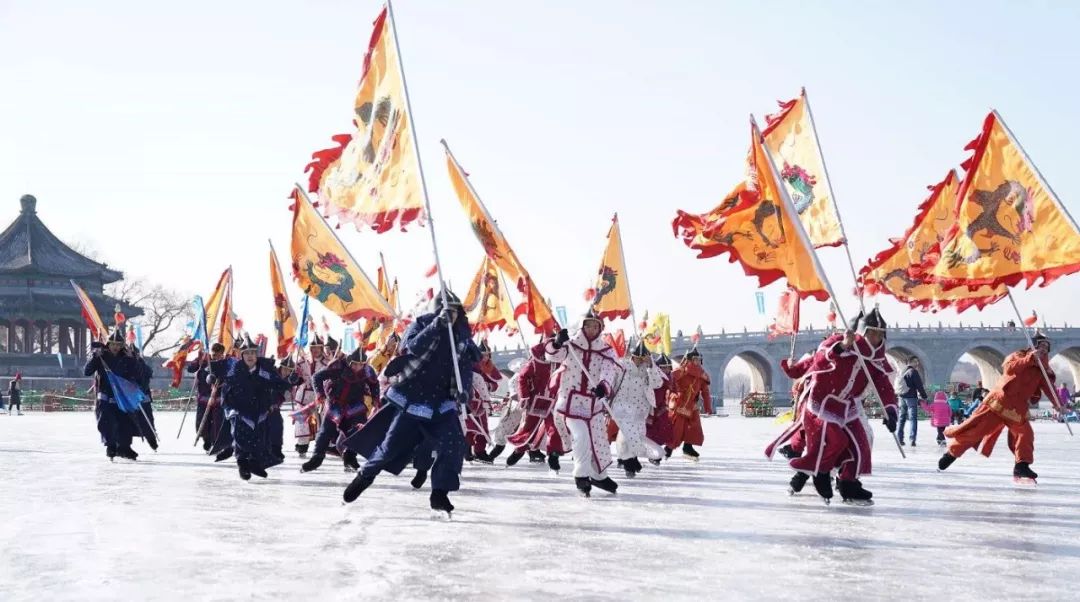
<point>911,391</point>
<point>956,406</point>
<point>941,415</point>
<point>15,395</point>
<point>978,393</point>
<point>1065,397</point>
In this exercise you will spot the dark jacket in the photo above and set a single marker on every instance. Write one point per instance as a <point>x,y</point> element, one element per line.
<point>200,368</point>
<point>911,385</point>
<point>423,374</point>
<point>251,393</point>
<point>345,390</point>
<point>122,365</point>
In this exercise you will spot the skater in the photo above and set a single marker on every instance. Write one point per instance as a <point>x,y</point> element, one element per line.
<point>956,407</point>
<point>287,372</point>
<point>658,424</point>
<point>144,419</point>
<point>940,415</point>
<point>537,434</point>
<point>688,383</point>
<point>586,374</point>
<point>511,421</point>
<point>114,425</point>
<point>200,367</point>
<point>249,388</point>
<point>837,435</point>
<point>485,379</point>
<point>217,427</point>
<point>1006,406</point>
<point>15,396</point>
<point>422,404</point>
<point>346,388</point>
<point>631,407</point>
<point>306,422</point>
<point>911,391</point>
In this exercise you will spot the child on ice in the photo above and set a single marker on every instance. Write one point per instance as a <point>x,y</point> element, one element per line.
<point>956,406</point>
<point>941,414</point>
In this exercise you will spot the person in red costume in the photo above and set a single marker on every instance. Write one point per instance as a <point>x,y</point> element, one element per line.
<point>485,380</point>
<point>836,433</point>
<point>537,434</point>
<point>689,382</point>
<point>1006,407</point>
<point>658,425</point>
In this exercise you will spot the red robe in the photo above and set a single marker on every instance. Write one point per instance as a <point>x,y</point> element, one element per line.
<point>658,427</point>
<point>537,430</point>
<point>689,382</point>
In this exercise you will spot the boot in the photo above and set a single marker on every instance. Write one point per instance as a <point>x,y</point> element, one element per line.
<point>301,449</point>
<point>689,451</point>
<point>514,457</point>
<point>536,457</point>
<point>553,461</point>
<point>257,470</point>
<point>1022,470</point>
<point>224,455</point>
<point>655,462</point>
<point>788,452</point>
<point>607,485</point>
<point>358,485</point>
<point>798,481</point>
<point>823,485</point>
<point>440,502</point>
<point>127,453</point>
<point>583,485</point>
<point>667,452</point>
<point>483,458</point>
<point>313,464</point>
<point>852,492</point>
<point>206,445</point>
<point>418,481</point>
<point>496,452</point>
<point>110,452</point>
<point>242,466</point>
<point>945,461</point>
<point>469,457</point>
<point>351,463</point>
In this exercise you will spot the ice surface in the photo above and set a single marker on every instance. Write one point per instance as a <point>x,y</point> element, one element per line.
<point>176,526</point>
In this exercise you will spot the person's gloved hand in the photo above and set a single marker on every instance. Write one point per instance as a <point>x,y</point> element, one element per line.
<point>463,399</point>
<point>561,338</point>
<point>890,419</point>
<point>600,390</point>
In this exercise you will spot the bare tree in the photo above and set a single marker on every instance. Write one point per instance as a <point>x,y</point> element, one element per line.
<point>165,312</point>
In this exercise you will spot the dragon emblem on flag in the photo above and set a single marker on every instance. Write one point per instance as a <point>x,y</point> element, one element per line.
<point>802,185</point>
<point>331,277</point>
<point>1009,194</point>
<point>609,279</point>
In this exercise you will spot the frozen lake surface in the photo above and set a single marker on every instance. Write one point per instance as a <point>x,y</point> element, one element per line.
<point>176,526</point>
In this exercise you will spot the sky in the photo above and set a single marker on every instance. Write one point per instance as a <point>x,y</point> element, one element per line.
<point>166,136</point>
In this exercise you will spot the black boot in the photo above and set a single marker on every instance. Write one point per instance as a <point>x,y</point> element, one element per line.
<point>514,457</point>
<point>242,466</point>
<point>1022,470</point>
<point>583,485</point>
<point>224,455</point>
<point>607,485</point>
<point>127,453</point>
<point>301,449</point>
<point>440,502</point>
<point>351,463</point>
<point>313,463</point>
<point>418,481</point>
<point>536,457</point>
<point>798,481</point>
<point>689,451</point>
<point>945,461</point>
<point>469,457</point>
<point>823,485</point>
<point>358,485</point>
<point>110,453</point>
<point>667,452</point>
<point>496,452</point>
<point>484,458</point>
<point>257,470</point>
<point>852,492</point>
<point>206,445</point>
<point>553,461</point>
<point>788,453</point>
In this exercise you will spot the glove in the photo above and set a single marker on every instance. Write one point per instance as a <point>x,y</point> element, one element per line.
<point>890,419</point>
<point>600,391</point>
<point>447,315</point>
<point>463,400</point>
<point>561,338</point>
<point>211,379</point>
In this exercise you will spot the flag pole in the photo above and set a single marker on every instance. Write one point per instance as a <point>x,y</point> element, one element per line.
<point>423,188</point>
<point>1046,377</point>
<point>626,274</point>
<point>804,239</point>
<point>832,195</point>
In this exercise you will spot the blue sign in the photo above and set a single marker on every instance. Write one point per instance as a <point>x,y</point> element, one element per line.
<point>760,298</point>
<point>560,311</point>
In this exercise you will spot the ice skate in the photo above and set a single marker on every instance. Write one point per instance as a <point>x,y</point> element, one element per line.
<point>852,492</point>
<point>823,486</point>
<point>553,462</point>
<point>496,452</point>
<point>127,453</point>
<point>484,458</point>
<point>690,453</point>
<point>245,473</point>
<point>224,455</point>
<point>607,485</point>
<point>257,470</point>
<point>798,481</point>
<point>583,486</point>
<point>654,461</point>
<point>440,503</point>
<point>1023,475</point>
<point>313,464</point>
<point>110,453</point>
<point>788,452</point>
<point>351,463</point>
<point>419,479</point>
<point>513,458</point>
<point>667,451</point>
<point>536,457</point>
<point>301,450</point>
<point>358,485</point>
<point>945,461</point>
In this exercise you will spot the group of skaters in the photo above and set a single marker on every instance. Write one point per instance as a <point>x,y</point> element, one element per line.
<point>830,440</point>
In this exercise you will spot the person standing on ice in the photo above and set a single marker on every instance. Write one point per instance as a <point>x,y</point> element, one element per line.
<point>911,391</point>
<point>587,371</point>
<point>940,414</point>
<point>537,434</point>
<point>1006,407</point>
<point>15,395</point>
<point>485,379</point>
<point>658,424</point>
<point>422,404</point>
<point>510,421</point>
<point>689,382</point>
<point>114,426</point>
<point>200,367</point>
<point>347,388</point>
<point>306,424</point>
<point>631,406</point>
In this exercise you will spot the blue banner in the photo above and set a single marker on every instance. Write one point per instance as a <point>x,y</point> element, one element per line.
<point>128,395</point>
<point>560,311</point>
<point>200,333</point>
<point>760,298</point>
<point>348,341</point>
<point>302,338</point>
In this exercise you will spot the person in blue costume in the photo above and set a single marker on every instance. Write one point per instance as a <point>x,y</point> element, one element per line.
<point>286,370</point>
<point>144,419</point>
<point>200,367</point>
<point>114,425</point>
<point>348,388</point>
<point>422,404</point>
<point>217,423</point>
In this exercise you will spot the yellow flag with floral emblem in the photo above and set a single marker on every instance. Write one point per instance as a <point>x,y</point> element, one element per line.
<point>657,334</point>
<point>610,296</point>
<point>487,304</point>
<point>285,325</point>
<point>1009,225</point>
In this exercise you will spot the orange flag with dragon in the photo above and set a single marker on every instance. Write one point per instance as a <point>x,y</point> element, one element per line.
<point>610,296</point>
<point>371,178</point>
<point>1009,225</point>
<point>755,225</point>
<point>535,307</point>
<point>285,325</point>
<point>487,303</point>
<point>895,270</point>
<point>326,271</point>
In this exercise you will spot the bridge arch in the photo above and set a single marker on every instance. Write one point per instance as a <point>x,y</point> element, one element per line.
<point>762,368</point>
<point>1071,357</point>
<point>899,355</point>
<point>988,357</point>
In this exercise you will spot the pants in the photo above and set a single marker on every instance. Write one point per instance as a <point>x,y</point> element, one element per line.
<point>592,452</point>
<point>830,445</point>
<point>328,434</point>
<point>982,429</point>
<point>909,409</point>
<point>941,434</point>
<point>14,404</point>
<point>631,441</point>
<point>113,425</point>
<point>957,416</point>
<point>276,426</point>
<point>406,434</point>
<point>251,442</point>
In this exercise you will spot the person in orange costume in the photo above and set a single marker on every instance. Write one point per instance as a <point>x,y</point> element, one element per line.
<point>1006,407</point>
<point>688,382</point>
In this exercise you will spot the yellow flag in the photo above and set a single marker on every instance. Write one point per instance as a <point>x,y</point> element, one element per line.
<point>611,293</point>
<point>284,317</point>
<point>326,271</point>
<point>535,307</point>
<point>487,303</point>
<point>791,138</point>
<point>657,335</point>
<point>895,270</point>
<point>1010,227</point>
<point>219,321</point>
<point>371,179</point>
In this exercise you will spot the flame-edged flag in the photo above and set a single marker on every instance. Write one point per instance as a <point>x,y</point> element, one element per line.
<point>176,364</point>
<point>535,306</point>
<point>756,226</point>
<point>791,137</point>
<point>657,334</point>
<point>285,325</point>
<point>617,341</point>
<point>487,304</point>
<point>90,314</point>
<point>371,178</point>
<point>220,327</point>
<point>896,270</point>
<point>611,293</point>
<point>786,321</point>
<point>325,270</point>
<point>1010,226</point>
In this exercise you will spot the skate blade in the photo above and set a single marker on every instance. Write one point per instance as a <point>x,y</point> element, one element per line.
<point>692,458</point>
<point>859,503</point>
<point>1024,482</point>
<point>442,515</point>
<point>827,501</point>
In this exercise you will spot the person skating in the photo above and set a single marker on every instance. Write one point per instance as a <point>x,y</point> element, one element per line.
<point>689,382</point>
<point>537,434</point>
<point>306,421</point>
<point>15,396</point>
<point>658,425</point>
<point>485,379</point>
<point>218,428</point>
<point>144,419</point>
<point>200,367</point>
<point>631,407</point>
<point>1006,407</point>
<point>287,371</point>
<point>940,414</point>
<point>346,387</point>
<point>113,424</point>
<point>511,420</point>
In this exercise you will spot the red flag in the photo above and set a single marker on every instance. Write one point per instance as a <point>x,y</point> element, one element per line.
<point>786,321</point>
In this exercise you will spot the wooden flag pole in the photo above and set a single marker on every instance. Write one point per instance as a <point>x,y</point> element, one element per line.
<point>1046,377</point>
<point>423,188</point>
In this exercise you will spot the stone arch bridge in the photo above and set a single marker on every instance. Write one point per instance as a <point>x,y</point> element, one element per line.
<point>939,349</point>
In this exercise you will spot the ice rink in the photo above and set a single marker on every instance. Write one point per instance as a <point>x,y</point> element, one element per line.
<point>176,526</point>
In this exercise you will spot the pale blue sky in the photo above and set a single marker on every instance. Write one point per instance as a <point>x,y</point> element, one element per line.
<point>168,135</point>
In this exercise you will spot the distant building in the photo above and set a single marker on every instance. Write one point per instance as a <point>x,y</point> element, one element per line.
<point>39,313</point>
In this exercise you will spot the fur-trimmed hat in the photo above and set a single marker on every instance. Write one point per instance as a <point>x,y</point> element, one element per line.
<point>591,315</point>
<point>640,350</point>
<point>331,343</point>
<point>358,356</point>
<point>286,362</point>
<point>117,335</point>
<point>689,355</point>
<point>317,341</point>
<point>484,348</point>
<point>663,361</point>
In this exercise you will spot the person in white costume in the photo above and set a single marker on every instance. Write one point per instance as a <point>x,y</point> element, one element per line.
<point>634,401</point>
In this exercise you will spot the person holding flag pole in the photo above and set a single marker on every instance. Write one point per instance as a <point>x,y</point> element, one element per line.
<point>114,371</point>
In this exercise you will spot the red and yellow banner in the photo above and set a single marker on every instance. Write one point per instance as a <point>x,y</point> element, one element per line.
<point>487,303</point>
<point>90,315</point>
<point>657,334</point>
<point>285,324</point>
<point>219,323</point>
<point>611,293</point>
<point>371,178</point>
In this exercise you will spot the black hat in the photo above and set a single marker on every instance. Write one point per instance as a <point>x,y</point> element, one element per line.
<point>246,344</point>
<point>117,335</point>
<point>331,343</point>
<point>317,341</point>
<point>286,362</point>
<point>451,299</point>
<point>484,349</point>
<point>358,356</point>
<point>875,321</point>
<point>590,315</point>
<point>663,361</point>
<point>692,354</point>
<point>640,350</point>
<point>1039,337</point>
